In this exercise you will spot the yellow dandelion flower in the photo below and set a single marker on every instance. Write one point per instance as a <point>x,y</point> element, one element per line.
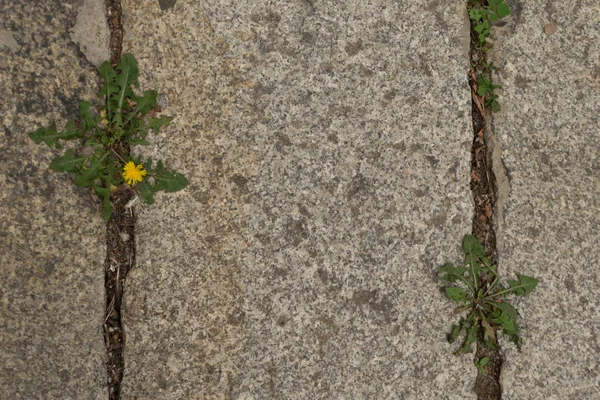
<point>133,173</point>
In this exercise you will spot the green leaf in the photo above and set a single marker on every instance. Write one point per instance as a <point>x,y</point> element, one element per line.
<point>450,273</point>
<point>473,252</point>
<point>156,123</point>
<point>67,163</point>
<point>111,169</point>
<point>127,76</point>
<point>50,136</point>
<point>495,106</point>
<point>106,204</point>
<point>506,316</point>
<point>143,104</point>
<point>169,181</point>
<point>87,176</point>
<point>483,85</point>
<point>457,294</point>
<point>475,14</point>
<point>503,10</point>
<point>455,332</point>
<point>146,193</point>
<point>469,339</point>
<point>138,141</point>
<point>523,286</point>
<point>84,111</point>
<point>109,87</point>
<point>489,334</point>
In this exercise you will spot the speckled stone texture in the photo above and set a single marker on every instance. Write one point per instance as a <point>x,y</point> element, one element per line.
<point>550,135</point>
<point>327,146</point>
<point>51,234</point>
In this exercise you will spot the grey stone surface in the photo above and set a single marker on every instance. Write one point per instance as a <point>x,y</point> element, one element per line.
<point>327,147</point>
<point>550,137</point>
<point>91,31</point>
<point>51,234</point>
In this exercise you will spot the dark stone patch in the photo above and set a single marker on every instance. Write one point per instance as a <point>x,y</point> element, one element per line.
<point>570,284</point>
<point>358,185</point>
<point>438,220</point>
<point>521,82</point>
<point>166,4</point>
<point>370,298</point>
<point>353,49</point>
<point>308,38</point>
<point>282,320</point>
<point>432,160</point>
<point>236,318</point>
<point>296,232</point>
<point>240,181</point>
<point>390,95</point>
<point>284,140</point>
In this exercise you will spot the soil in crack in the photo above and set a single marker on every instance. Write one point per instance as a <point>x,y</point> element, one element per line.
<point>120,258</point>
<point>120,240</point>
<point>487,384</point>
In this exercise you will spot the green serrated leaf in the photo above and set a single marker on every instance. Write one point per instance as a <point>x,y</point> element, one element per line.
<point>51,136</point>
<point>156,123</point>
<point>109,87</point>
<point>67,163</point>
<point>146,193</point>
<point>88,175</point>
<point>506,316</point>
<point>143,104</point>
<point>106,204</point>
<point>169,181</point>
<point>469,339</point>
<point>84,111</point>
<point>473,250</point>
<point>127,76</point>
<point>133,142</point>
<point>450,273</point>
<point>524,285</point>
<point>47,135</point>
<point>457,294</point>
<point>455,332</point>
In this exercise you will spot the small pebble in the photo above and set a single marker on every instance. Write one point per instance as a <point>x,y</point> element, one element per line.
<point>550,29</point>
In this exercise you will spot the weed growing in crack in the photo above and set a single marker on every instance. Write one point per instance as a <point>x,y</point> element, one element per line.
<point>481,363</point>
<point>480,293</point>
<point>103,163</point>
<point>485,89</point>
<point>482,13</point>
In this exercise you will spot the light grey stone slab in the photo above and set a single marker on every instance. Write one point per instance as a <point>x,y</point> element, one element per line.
<point>550,138</point>
<point>91,31</point>
<point>51,234</point>
<point>327,145</point>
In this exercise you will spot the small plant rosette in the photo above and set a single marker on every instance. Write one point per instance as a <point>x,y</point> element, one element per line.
<point>103,162</point>
<point>479,294</point>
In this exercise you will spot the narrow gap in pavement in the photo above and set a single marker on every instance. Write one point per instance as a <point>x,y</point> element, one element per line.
<point>120,241</point>
<point>487,385</point>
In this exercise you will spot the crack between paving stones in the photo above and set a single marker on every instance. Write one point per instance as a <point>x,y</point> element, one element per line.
<point>483,187</point>
<point>120,240</point>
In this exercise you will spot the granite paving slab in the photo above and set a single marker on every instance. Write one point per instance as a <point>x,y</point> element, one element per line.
<point>327,145</point>
<point>549,66</point>
<point>51,234</point>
